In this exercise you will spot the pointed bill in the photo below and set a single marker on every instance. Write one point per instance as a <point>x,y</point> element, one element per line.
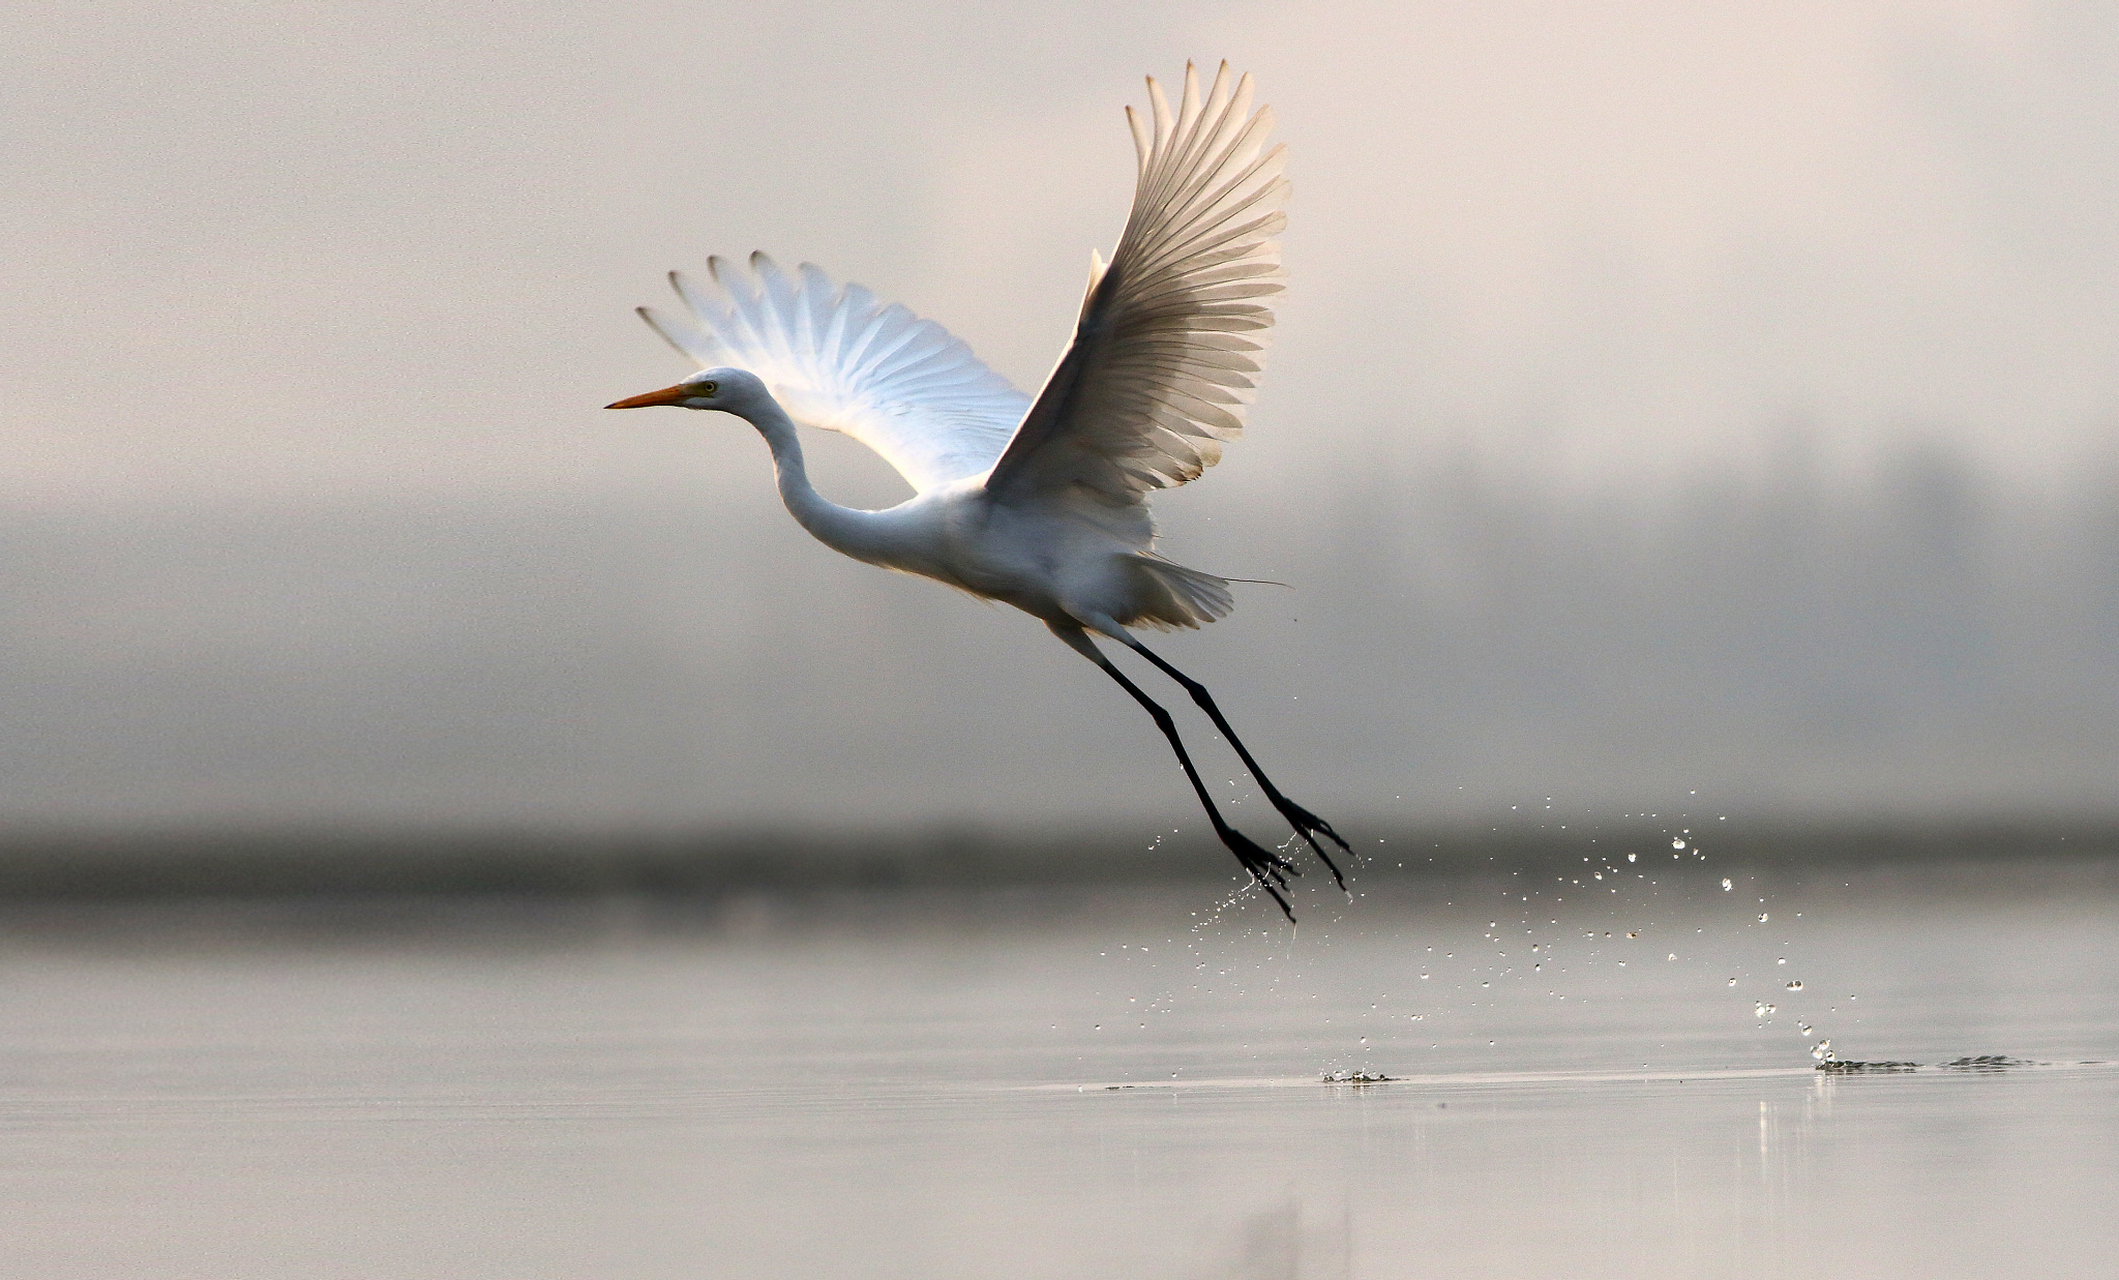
<point>668,395</point>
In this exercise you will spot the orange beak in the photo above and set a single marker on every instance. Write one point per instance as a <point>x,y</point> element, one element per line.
<point>668,395</point>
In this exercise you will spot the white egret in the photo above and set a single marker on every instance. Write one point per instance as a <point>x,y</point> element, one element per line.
<point>1041,504</point>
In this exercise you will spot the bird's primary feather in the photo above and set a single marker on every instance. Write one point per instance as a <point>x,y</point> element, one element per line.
<point>839,359</point>
<point>1165,354</point>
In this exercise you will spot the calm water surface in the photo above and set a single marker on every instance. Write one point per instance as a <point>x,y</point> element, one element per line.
<point>1078,1085</point>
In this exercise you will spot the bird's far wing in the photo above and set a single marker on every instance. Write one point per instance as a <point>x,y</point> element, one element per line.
<point>839,359</point>
<point>1166,351</point>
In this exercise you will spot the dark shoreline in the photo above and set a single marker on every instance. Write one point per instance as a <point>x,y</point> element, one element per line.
<point>336,862</point>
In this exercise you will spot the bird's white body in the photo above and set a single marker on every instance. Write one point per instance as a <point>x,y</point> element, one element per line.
<point>1066,563</point>
<point>1040,504</point>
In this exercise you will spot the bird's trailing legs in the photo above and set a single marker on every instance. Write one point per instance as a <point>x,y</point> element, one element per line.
<point>1308,825</point>
<point>1271,870</point>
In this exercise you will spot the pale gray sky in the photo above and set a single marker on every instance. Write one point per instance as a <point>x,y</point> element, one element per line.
<point>308,310</point>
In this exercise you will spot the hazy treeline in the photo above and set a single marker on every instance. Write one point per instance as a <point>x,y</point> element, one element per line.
<point>1915,634</point>
<point>1913,638</point>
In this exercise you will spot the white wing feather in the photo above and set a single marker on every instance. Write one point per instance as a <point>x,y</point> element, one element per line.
<point>1166,352</point>
<point>840,360</point>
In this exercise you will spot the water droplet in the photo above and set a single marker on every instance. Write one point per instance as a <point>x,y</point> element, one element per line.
<point>1672,956</point>
<point>1364,1042</point>
<point>1629,857</point>
<point>1823,1052</point>
<point>1725,884</point>
<point>1762,917</point>
<point>1732,982</point>
<point>1633,933</point>
<point>1796,985</point>
<point>1782,960</point>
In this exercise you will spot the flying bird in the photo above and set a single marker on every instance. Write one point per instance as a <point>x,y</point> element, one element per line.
<point>1041,504</point>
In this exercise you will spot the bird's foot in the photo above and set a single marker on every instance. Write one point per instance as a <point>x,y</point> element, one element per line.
<point>1309,826</point>
<point>1268,868</point>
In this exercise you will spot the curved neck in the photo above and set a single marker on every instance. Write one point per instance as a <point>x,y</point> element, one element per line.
<point>842,529</point>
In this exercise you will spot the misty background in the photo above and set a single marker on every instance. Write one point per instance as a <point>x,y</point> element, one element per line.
<point>1673,405</point>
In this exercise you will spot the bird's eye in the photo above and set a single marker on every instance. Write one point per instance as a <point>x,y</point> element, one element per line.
<point>709,388</point>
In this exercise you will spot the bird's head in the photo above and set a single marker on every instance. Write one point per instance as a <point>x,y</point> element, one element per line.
<point>729,390</point>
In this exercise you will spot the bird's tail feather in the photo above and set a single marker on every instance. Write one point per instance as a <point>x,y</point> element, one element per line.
<point>1195,597</point>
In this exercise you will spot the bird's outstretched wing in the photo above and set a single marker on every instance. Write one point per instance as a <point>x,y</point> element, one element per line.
<point>1166,351</point>
<point>839,359</point>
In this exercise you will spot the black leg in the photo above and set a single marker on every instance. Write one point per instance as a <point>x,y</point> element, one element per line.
<point>1308,825</point>
<point>1269,869</point>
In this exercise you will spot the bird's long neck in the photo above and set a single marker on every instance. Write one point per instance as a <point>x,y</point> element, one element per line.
<point>843,529</point>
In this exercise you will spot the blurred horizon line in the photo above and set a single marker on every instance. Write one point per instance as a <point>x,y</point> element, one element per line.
<point>318,860</point>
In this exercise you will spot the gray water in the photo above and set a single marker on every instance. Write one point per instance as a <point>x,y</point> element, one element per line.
<point>1110,1084</point>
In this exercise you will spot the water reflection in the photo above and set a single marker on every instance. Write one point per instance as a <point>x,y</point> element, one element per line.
<point>1090,1084</point>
